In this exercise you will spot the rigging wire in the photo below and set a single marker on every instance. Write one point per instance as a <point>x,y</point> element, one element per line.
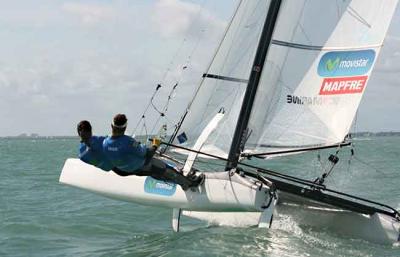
<point>183,117</point>
<point>352,150</point>
<point>185,66</point>
<point>143,118</point>
<point>328,169</point>
<point>358,17</point>
<point>144,128</point>
<point>162,111</point>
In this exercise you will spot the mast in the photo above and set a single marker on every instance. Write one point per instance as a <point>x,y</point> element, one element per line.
<point>240,134</point>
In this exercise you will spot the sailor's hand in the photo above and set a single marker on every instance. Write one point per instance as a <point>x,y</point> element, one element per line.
<point>156,142</point>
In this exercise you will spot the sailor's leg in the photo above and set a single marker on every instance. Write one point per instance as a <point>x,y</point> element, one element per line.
<point>170,174</point>
<point>159,170</point>
<point>147,170</point>
<point>122,173</point>
<point>151,170</point>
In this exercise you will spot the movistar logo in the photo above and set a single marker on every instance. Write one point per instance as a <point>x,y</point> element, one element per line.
<point>346,63</point>
<point>332,65</point>
<point>151,184</point>
<point>159,187</point>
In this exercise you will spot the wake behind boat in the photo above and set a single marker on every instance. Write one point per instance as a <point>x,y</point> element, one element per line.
<point>287,78</point>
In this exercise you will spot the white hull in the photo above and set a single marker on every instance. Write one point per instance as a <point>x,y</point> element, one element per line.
<point>229,201</point>
<point>220,192</point>
<point>377,228</point>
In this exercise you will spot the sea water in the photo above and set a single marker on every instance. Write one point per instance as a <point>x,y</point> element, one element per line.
<point>40,217</point>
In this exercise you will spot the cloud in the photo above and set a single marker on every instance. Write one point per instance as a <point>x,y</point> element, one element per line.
<point>384,78</point>
<point>90,14</point>
<point>380,102</point>
<point>40,100</point>
<point>389,59</point>
<point>25,13</point>
<point>66,61</point>
<point>175,18</point>
<point>194,31</point>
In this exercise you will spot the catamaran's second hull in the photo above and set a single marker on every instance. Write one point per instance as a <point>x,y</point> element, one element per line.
<point>377,228</point>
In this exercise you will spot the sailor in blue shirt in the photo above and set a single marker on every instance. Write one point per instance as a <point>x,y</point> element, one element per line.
<point>91,147</point>
<point>125,152</point>
<point>133,158</point>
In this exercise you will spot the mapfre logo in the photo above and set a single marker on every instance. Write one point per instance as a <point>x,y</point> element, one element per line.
<point>340,86</point>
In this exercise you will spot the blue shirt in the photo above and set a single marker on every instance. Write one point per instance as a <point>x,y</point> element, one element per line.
<point>94,155</point>
<point>125,153</point>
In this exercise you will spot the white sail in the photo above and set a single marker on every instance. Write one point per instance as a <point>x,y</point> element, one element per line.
<point>226,82</point>
<point>316,71</point>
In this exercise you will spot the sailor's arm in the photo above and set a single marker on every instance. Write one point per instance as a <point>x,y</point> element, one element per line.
<point>137,148</point>
<point>83,149</point>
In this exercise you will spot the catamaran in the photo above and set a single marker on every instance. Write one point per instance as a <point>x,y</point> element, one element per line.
<point>287,78</point>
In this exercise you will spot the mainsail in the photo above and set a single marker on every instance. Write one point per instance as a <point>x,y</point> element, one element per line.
<point>313,79</point>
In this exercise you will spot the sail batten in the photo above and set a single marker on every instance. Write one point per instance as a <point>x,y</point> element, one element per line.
<point>288,150</point>
<point>322,48</point>
<point>214,76</point>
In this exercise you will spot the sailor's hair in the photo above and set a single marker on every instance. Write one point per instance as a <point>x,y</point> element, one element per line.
<point>120,121</point>
<point>83,125</point>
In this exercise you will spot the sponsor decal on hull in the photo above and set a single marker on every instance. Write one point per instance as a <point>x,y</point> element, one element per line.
<point>340,86</point>
<point>346,63</point>
<point>159,187</point>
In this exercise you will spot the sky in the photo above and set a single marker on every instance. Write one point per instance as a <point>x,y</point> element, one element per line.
<point>63,61</point>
